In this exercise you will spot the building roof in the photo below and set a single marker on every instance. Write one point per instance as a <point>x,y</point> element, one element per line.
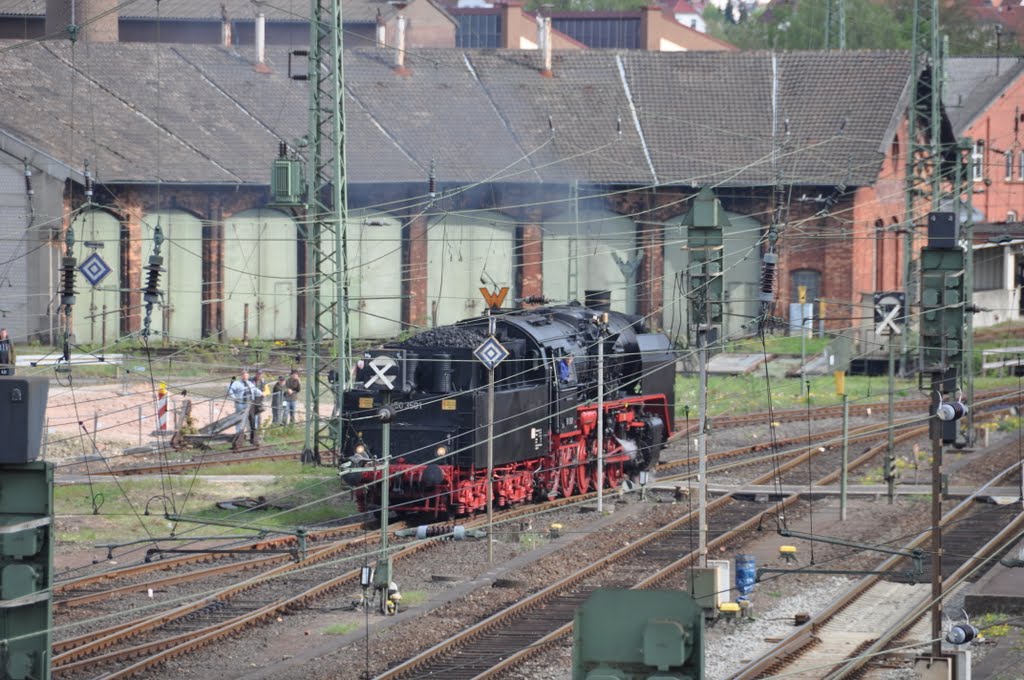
<point>201,114</point>
<point>353,11</point>
<point>972,83</point>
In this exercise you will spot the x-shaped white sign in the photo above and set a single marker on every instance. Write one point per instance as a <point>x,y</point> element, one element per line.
<point>381,365</point>
<point>888,325</point>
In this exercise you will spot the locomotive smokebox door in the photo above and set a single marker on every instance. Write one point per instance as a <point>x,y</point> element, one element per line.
<point>382,370</point>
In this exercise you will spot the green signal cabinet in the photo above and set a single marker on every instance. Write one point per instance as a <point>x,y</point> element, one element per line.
<point>26,569</point>
<point>942,309</point>
<point>704,224</point>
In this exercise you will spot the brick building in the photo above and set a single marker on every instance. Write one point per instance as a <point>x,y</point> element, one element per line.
<point>984,98</point>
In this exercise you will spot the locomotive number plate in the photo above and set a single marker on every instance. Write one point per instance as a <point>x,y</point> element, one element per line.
<point>447,404</point>
<point>365,402</point>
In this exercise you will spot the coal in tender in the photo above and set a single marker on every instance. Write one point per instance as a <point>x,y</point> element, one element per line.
<point>445,337</point>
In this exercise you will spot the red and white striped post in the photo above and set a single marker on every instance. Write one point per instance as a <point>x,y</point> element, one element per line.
<point>161,408</point>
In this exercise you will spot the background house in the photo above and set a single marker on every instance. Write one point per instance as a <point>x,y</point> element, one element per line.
<point>984,98</point>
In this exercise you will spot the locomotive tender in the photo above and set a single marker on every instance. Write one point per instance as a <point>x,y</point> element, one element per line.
<point>545,410</point>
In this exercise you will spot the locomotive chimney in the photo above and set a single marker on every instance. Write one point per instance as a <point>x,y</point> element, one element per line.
<point>600,300</point>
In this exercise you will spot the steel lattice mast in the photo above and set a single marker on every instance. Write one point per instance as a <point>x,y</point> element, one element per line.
<point>924,116</point>
<point>324,230</point>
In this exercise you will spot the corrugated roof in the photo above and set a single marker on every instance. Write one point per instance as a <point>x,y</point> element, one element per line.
<point>200,113</point>
<point>972,83</point>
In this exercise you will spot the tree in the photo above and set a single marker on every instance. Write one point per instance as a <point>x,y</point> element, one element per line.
<point>870,24</point>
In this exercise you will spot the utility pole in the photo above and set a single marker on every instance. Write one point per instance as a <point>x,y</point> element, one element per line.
<point>835,24</point>
<point>602,328</point>
<point>705,224</point>
<point>844,474</point>
<point>383,569</point>
<point>923,158</point>
<point>491,353</point>
<point>890,452</point>
<point>941,358</point>
<point>324,229</point>
<point>490,454</point>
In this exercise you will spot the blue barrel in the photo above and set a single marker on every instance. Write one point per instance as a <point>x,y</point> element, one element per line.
<point>746,575</point>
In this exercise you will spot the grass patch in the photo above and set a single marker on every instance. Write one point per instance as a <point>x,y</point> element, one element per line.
<point>340,628</point>
<point>413,598</point>
<point>109,512</point>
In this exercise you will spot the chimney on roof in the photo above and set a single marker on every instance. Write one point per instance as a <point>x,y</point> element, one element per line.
<point>261,42</point>
<point>225,26</point>
<point>545,45</point>
<point>400,45</point>
<point>62,15</point>
<point>382,33</point>
<point>650,31</point>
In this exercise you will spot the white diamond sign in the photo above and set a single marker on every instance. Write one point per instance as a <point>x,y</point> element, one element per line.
<point>491,353</point>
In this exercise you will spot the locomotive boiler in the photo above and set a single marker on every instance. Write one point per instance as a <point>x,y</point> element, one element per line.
<point>433,390</point>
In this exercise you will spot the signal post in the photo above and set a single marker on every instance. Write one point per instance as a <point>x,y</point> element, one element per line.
<point>941,362</point>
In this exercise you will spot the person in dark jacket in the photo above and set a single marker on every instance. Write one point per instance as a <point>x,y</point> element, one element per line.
<point>277,402</point>
<point>6,349</point>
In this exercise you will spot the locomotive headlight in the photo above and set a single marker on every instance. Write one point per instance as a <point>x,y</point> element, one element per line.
<point>441,451</point>
<point>360,449</point>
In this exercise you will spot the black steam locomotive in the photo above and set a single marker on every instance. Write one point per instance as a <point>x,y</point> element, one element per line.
<point>433,390</point>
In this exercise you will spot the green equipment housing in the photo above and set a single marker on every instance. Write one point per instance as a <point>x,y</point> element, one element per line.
<point>26,570</point>
<point>704,224</point>
<point>26,532</point>
<point>942,312</point>
<point>638,635</point>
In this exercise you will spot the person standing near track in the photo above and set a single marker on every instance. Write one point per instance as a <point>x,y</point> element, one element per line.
<point>277,402</point>
<point>6,353</point>
<point>241,392</point>
<point>292,389</point>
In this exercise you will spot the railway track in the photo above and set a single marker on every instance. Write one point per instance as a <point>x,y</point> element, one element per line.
<point>514,635</point>
<point>719,423</point>
<point>216,616</point>
<point>839,641</point>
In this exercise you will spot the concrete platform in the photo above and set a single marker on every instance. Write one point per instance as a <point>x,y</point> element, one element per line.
<point>1001,590</point>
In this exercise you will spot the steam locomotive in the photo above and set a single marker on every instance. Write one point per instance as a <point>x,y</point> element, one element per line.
<point>431,392</point>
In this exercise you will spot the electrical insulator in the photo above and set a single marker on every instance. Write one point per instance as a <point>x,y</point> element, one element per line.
<point>88,186</point>
<point>28,182</point>
<point>282,150</point>
<point>432,181</point>
<point>67,293</point>
<point>152,293</point>
<point>768,277</point>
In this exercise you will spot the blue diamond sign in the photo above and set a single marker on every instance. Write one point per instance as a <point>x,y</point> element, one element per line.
<point>94,269</point>
<point>491,353</point>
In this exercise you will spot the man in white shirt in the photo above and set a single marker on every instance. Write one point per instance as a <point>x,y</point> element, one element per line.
<point>241,392</point>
